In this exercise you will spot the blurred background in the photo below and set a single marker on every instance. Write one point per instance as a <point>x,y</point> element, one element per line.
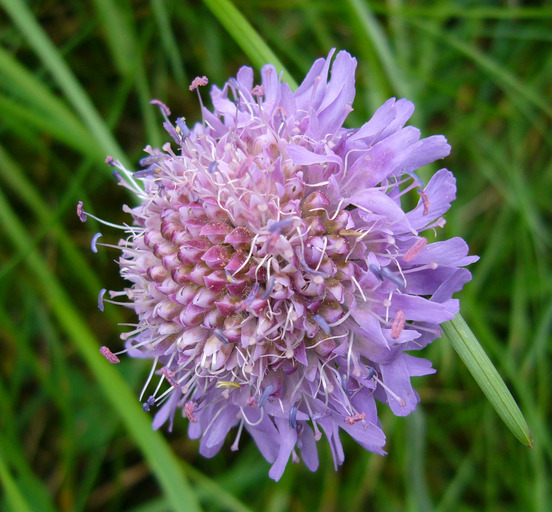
<point>76,78</point>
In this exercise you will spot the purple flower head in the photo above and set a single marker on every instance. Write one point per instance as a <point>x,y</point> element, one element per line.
<point>277,279</point>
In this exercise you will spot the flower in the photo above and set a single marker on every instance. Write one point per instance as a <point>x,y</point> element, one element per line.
<point>278,282</point>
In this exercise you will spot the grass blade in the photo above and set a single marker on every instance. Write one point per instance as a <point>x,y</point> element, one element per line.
<point>487,377</point>
<point>23,18</point>
<point>247,37</point>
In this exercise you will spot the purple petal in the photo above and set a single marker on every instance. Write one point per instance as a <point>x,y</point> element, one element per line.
<point>288,438</point>
<point>307,446</point>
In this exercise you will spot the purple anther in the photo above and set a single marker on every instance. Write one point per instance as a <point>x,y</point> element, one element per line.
<point>387,274</point>
<point>144,173</point>
<point>100,299</point>
<point>212,167</point>
<point>253,293</point>
<point>80,212</point>
<point>152,159</point>
<point>109,160</point>
<point>376,271</point>
<point>198,81</point>
<point>416,178</point>
<point>93,242</point>
<point>221,336</point>
<point>184,130</point>
<point>234,83</point>
<point>268,288</point>
<point>277,227</point>
<point>162,107</point>
<point>266,393</point>
<point>148,404</point>
<point>345,383</point>
<point>292,417</point>
<point>118,177</point>
<point>321,321</point>
<point>110,356</point>
<point>371,373</point>
<point>171,130</point>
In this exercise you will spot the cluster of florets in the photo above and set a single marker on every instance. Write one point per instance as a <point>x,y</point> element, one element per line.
<point>277,280</point>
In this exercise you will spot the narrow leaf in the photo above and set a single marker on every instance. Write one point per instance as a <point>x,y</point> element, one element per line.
<point>246,37</point>
<point>487,377</point>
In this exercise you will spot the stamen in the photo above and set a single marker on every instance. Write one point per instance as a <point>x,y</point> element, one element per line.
<point>358,286</point>
<point>80,212</point>
<point>321,321</point>
<point>251,424</point>
<point>110,356</point>
<point>268,288</point>
<point>415,249</point>
<point>221,336</point>
<point>148,404</point>
<point>198,81</point>
<point>371,373</point>
<point>148,380</point>
<point>266,393</point>
<point>169,375</point>
<point>182,127</point>
<point>228,384</point>
<point>162,107</point>
<point>376,271</point>
<point>344,384</point>
<point>356,418</point>
<point>398,325</point>
<point>93,242</point>
<point>402,401</point>
<point>234,446</point>
<point>277,227</point>
<point>425,200</point>
<point>100,299</point>
<point>189,411</point>
<point>292,417</point>
<point>386,273</point>
<point>258,91</point>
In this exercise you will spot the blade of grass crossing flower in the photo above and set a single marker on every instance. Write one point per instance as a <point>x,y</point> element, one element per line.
<point>24,19</point>
<point>487,377</point>
<point>163,462</point>
<point>246,37</point>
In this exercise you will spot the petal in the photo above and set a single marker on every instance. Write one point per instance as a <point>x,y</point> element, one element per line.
<point>440,192</point>
<point>307,446</point>
<point>396,377</point>
<point>288,438</point>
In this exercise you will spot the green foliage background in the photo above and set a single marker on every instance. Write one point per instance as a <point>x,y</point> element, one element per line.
<point>76,78</point>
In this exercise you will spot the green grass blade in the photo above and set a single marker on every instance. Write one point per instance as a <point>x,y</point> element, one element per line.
<point>374,33</point>
<point>487,377</point>
<point>23,18</point>
<point>247,37</point>
<point>163,462</point>
<point>508,81</point>
<point>14,496</point>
